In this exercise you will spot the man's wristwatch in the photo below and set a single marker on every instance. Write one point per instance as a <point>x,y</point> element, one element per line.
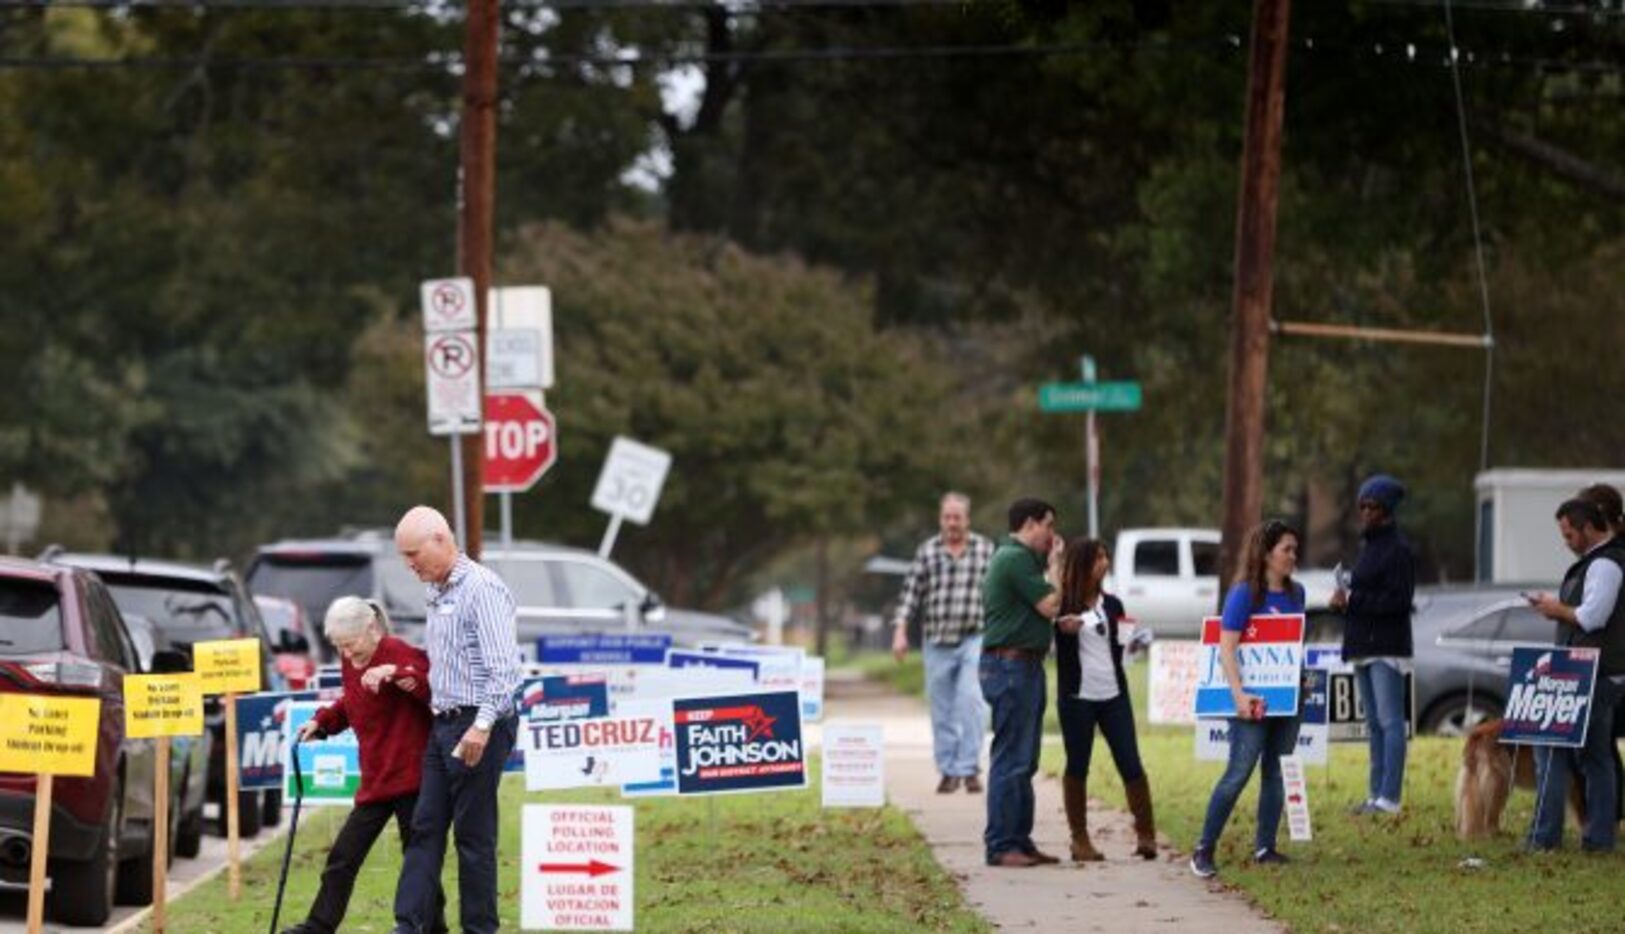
<point>483,725</point>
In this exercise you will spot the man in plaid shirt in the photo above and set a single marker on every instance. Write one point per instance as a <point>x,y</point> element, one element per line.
<point>944,589</point>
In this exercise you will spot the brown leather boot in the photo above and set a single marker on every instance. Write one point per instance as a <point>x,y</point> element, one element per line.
<point>1075,794</point>
<point>1145,825</point>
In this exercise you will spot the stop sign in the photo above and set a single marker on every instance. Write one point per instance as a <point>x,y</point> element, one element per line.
<point>520,442</point>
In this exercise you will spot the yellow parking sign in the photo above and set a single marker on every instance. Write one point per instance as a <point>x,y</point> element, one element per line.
<point>163,705</point>
<point>44,734</point>
<point>229,666</point>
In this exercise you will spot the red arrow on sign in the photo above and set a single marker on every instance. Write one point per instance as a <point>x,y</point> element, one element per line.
<point>592,868</point>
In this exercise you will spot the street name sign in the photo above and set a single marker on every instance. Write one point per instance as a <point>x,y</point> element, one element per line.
<point>1122,396</point>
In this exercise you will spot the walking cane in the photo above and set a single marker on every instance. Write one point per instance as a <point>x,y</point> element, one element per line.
<point>293,831</point>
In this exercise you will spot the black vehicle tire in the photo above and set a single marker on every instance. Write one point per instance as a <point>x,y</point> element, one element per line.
<point>248,814</point>
<point>189,838</point>
<point>272,803</point>
<point>82,890</point>
<point>1452,716</point>
<point>134,885</point>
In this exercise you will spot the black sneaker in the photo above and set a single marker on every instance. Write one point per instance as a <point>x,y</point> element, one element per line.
<point>1202,863</point>
<point>1269,856</point>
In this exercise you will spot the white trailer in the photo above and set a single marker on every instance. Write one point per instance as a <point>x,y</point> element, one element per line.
<point>1517,534</point>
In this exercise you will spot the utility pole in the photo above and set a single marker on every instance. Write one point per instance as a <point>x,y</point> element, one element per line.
<point>477,142</point>
<point>1255,282</point>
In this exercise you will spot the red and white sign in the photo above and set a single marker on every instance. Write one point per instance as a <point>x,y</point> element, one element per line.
<point>854,766</point>
<point>1174,668</point>
<point>576,868</point>
<point>448,305</point>
<point>452,377</point>
<point>521,442</point>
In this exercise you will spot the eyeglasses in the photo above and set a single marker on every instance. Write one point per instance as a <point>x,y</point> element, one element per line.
<point>1100,628</point>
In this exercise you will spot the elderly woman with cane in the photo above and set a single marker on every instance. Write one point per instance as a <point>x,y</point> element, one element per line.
<point>386,703</point>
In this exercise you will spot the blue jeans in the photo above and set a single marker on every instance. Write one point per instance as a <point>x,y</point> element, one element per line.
<point>1115,718</point>
<point>1251,741</point>
<point>1596,763</point>
<point>956,705</point>
<point>1015,690</point>
<point>1382,691</point>
<point>455,796</point>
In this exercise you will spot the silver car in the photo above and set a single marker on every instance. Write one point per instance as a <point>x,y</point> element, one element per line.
<point>560,590</point>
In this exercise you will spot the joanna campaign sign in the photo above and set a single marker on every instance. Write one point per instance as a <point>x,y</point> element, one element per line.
<point>1270,657</point>
<point>1549,696</point>
<point>739,742</point>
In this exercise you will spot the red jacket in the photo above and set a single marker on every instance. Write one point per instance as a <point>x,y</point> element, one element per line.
<point>391,727</point>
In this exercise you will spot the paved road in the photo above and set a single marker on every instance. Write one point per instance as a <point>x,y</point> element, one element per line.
<point>1121,894</point>
<point>183,874</point>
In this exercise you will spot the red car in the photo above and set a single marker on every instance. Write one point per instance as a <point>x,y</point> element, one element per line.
<point>60,633</point>
<point>290,636</point>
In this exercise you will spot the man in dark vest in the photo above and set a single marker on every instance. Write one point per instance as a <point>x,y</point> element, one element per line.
<point>1588,612</point>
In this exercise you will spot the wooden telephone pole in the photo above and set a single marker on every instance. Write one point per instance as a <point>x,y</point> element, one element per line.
<point>1255,282</point>
<point>476,206</point>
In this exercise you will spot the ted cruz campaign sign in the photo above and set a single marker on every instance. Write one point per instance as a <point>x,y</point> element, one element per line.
<point>739,742</point>
<point>1270,657</point>
<point>1549,696</point>
<point>622,748</point>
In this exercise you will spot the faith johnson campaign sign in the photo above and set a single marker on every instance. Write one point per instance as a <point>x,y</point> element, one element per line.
<point>1270,657</point>
<point>739,742</point>
<point>1549,696</point>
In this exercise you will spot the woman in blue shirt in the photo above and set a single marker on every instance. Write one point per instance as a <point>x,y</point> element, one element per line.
<point>1266,587</point>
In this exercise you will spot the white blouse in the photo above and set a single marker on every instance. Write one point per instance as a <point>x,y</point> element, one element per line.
<point>1099,680</point>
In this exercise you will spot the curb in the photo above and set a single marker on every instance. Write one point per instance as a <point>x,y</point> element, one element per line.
<point>178,891</point>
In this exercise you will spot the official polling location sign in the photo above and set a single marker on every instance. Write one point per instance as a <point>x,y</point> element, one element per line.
<point>576,868</point>
<point>1549,696</point>
<point>1270,657</point>
<point>739,743</point>
<point>603,649</point>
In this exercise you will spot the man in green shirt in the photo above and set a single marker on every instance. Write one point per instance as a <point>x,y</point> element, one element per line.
<point>1019,604</point>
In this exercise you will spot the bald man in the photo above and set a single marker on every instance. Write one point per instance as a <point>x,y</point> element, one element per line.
<point>473,673</point>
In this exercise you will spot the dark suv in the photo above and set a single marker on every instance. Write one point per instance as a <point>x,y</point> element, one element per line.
<point>60,633</point>
<point>188,603</point>
<point>560,590</point>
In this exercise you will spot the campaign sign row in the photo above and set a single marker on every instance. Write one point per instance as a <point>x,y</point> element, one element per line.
<point>1548,693</point>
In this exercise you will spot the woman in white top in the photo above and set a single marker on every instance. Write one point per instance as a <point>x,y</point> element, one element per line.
<point>1092,692</point>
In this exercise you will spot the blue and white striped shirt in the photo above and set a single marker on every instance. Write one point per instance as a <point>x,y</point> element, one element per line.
<point>473,642</point>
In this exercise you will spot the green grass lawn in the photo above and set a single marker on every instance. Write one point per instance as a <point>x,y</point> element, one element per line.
<point>1363,874</point>
<point>734,863</point>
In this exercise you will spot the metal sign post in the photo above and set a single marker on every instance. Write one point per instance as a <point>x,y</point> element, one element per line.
<point>1091,452</point>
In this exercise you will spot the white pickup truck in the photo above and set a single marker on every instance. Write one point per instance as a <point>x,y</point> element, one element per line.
<point>1168,579</point>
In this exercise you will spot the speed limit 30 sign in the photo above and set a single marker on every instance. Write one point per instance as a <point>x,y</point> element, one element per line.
<point>630,483</point>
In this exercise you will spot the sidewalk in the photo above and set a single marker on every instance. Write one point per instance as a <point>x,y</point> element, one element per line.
<point>1123,893</point>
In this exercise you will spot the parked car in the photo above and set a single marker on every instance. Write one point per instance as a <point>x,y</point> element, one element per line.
<point>1462,638</point>
<point>1168,578</point>
<point>559,590</point>
<point>60,633</point>
<point>189,603</point>
<point>290,634</point>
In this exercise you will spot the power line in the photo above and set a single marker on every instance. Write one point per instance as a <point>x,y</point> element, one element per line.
<point>749,6</point>
<point>1400,53</point>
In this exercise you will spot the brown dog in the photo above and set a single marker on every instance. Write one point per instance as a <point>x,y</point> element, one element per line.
<point>1489,770</point>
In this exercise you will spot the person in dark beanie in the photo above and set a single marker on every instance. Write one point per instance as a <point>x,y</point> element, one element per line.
<point>1377,636</point>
